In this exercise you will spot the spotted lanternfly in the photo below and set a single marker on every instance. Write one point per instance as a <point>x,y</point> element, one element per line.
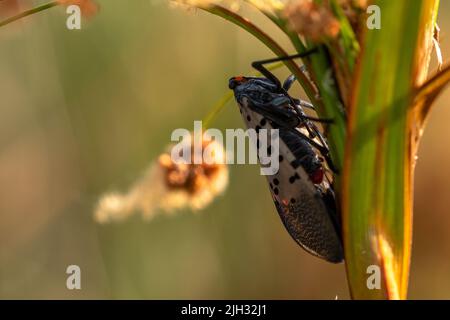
<point>301,191</point>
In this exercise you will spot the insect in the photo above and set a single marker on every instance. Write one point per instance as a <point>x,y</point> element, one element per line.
<point>302,194</point>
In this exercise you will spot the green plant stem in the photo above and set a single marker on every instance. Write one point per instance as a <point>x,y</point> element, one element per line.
<point>211,116</point>
<point>348,38</point>
<point>29,12</point>
<point>323,75</point>
<point>378,170</point>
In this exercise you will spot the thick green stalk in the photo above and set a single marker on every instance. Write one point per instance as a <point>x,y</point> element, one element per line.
<point>377,180</point>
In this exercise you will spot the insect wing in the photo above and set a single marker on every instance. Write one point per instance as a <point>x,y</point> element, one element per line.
<point>301,205</point>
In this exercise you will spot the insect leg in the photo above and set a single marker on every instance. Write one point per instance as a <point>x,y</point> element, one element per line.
<point>326,154</point>
<point>304,120</point>
<point>259,65</point>
<point>303,115</point>
<point>319,120</point>
<point>305,104</point>
<point>325,149</point>
<point>289,82</point>
<point>291,79</point>
<point>285,120</point>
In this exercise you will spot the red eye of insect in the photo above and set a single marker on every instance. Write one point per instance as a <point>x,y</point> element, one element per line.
<point>317,176</point>
<point>235,81</point>
<point>240,79</point>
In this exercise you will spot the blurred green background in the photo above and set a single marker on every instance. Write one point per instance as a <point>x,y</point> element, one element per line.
<point>85,112</point>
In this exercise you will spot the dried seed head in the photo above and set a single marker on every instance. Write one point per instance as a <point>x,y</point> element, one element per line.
<point>193,177</point>
<point>312,20</point>
<point>170,185</point>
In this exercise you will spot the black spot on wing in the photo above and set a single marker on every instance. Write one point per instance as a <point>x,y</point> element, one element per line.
<point>263,122</point>
<point>293,178</point>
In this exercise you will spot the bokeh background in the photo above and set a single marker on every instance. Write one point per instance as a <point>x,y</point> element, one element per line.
<point>85,112</point>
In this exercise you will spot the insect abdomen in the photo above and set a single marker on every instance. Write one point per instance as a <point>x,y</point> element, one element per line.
<point>307,212</point>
